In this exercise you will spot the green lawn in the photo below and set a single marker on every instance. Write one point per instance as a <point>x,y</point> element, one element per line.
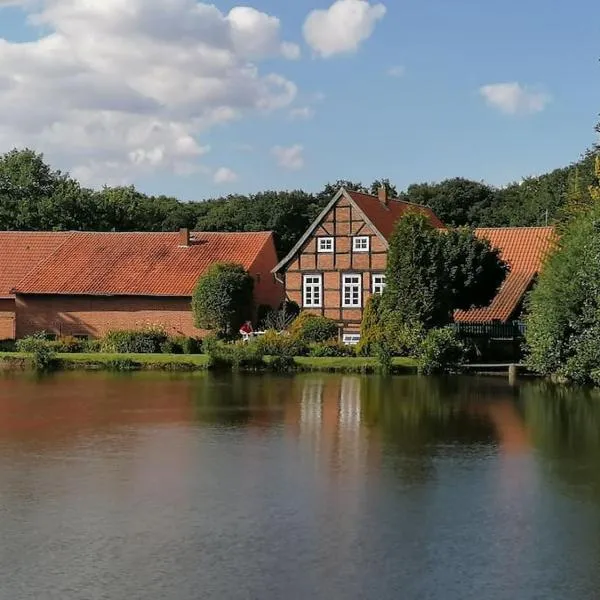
<point>191,362</point>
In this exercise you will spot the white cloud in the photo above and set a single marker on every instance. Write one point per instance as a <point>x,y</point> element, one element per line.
<point>302,113</point>
<point>513,98</point>
<point>121,87</point>
<point>291,157</point>
<point>396,71</point>
<point>225,175</point>
<point>342,27</point>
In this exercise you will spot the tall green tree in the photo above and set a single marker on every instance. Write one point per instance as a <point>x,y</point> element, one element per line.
<point>432,273</point>
<point>563,321</point>
<point>223,298</point>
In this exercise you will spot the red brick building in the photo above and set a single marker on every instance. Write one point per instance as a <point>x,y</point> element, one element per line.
<point>341,259</point>
<point>84,283</point>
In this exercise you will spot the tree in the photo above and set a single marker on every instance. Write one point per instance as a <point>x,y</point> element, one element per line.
<point>455,201</point>
<point>563,313</point>
<point>431,273</point>
<point>223,298</point>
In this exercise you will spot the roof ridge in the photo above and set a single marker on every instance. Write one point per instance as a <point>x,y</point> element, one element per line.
<point>395,199</point>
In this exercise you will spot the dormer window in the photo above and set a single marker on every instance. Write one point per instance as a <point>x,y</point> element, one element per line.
<point>325,245</point>
<point>360,243</point>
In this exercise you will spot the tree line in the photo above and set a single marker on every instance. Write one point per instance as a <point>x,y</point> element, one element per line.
<point>34,196</point>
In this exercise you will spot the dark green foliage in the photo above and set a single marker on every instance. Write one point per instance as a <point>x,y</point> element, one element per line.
<point>280,319</point>
<point>275,343</point>
<point>432,273</point>
<point>181,344</point>
<point>282,364</point>
<point>122,365</point>
<point>32,342</point>
<point>238,356</point>
<point>171,346</point>
<point>441,351</point>
<point>331,349</point>
<point>92,346</point>
<point>370,328</point>
<point>223,299</point>
<point>309,328</point>
<point>143,341</point>
<point>455,201</point>
<point>383,355</point>
<point>43,360</point>
<point>8,346</point>
<point>563,322</point>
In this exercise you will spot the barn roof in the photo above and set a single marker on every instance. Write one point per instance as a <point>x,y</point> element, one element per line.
<point>136,264</point>
<point>524,249</point>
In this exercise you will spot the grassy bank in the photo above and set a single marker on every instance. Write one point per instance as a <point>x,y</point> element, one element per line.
<point>192,362</point>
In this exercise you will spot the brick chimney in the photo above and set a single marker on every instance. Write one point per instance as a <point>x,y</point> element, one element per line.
<point>383,194</point>
<point>184,237</point>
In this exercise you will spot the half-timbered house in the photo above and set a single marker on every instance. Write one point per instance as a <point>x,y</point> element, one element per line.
<point>341,259</point>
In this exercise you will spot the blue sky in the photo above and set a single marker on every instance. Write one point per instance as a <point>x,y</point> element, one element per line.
<point>431,89</point>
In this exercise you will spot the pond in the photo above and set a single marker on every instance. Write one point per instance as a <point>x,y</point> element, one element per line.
<point>151,486</point>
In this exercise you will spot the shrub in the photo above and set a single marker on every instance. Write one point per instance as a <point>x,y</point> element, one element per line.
<point>32,342</point>
<point>441,352</point>
<point>8,346</point>
<point>281,319</point>
<point>223,298</point>
<point>273,343</point>
<point>191,345</point>
<point>238,356</point>
<point>384,358</point>
<point>330,349</point>
<point>91,346</point>
<point>309,328</point>
<point>144,341</point>
<point>43,359</point>
<point>172,345</point>
<point>282,364</point>
<point>67,345</point>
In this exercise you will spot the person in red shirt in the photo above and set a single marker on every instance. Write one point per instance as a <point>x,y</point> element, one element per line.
<point>246,330</point>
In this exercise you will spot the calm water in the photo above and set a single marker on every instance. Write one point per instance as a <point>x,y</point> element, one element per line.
<point>157,487</point>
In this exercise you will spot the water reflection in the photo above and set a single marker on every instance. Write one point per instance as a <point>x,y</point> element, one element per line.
<point>154,486</point>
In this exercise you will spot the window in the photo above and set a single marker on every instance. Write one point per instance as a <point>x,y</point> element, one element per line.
<point>360,243</point>
<point>378,284</point>
<point>313,291</point>
<point>351,290</point>
<point>325,244</point>
<point>351,339</point>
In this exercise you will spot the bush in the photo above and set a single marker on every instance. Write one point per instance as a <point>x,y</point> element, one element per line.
<point>144,341</point>
<point>173,345</point>
<point>91,346</point>
<point>309,328</point>
<point>32,342</point>
<point>8,346</point>
<point>43,359</point>
<point>273,343</point>
<point>441,352</point>
<point>191,345</point>
<point>330,349</point>
<point>238,356</point>
<point>281,319</point>
<point>282,364</point>
<point>223,298</point>
<point>384,358</point>
<point>68,345</point>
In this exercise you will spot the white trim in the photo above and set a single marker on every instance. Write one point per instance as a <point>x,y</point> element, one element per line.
<point>351,339</point>
<point>314,285</point>
<point>328,241</point>
<point>359,239</point>
<point>351,285</point>
<point>380,284</point>
<point>341,193</point>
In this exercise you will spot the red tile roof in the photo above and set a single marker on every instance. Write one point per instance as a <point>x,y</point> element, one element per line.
<point>524,248</point>
<point>137,264</point>
<point>21,251</point>
<point>385,217</point>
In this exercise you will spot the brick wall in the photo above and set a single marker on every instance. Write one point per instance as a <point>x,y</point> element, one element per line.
<point>267,290</point>
<point>7,319</point>
<point>94,316</point>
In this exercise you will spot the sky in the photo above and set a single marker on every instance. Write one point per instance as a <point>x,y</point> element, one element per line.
<point>194,99</point>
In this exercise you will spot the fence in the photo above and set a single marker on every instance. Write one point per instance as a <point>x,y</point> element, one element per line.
<point>493,331</point>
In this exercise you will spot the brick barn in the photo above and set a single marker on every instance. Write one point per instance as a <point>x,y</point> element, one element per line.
<point>86,283</point>
<point>341,259</point>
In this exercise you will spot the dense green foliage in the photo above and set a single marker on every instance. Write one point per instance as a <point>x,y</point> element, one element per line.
<point>563,333</point>
<point>441,351</point>
<point>223,298</point>
<point>142,341</point>
<point>430,273</point>
<point>309,328</point>
<point>34,196</point>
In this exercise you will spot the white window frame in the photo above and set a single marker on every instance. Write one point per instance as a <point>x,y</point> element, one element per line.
<point>345,284</point>
<point>325,245</point>
<point>315,284</point>
<point>357,243</point>
<point>377,287</point>
<point>351,339</point>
